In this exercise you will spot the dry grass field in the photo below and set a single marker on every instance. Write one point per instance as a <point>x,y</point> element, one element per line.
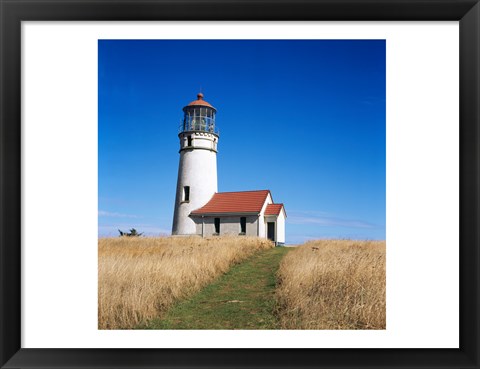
<point>333,284</point>
<point>140,278</point>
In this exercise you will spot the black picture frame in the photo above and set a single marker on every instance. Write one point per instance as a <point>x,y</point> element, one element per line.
<point>12,13</point>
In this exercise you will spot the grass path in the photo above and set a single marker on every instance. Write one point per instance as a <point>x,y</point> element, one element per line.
<point>243,298</point>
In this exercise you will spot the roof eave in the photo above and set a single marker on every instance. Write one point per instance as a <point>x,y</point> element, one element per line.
<point>226,214</point>
<point>207,105</point>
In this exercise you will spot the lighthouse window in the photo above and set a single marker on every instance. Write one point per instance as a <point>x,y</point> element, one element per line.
<point>217,225</point>
<point>189,141</point>
<point>186,193</point>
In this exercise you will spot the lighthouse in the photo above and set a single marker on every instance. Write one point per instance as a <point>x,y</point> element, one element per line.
<point>197,169</point>
<point>199,208</point>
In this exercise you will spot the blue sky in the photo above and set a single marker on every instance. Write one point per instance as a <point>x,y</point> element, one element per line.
<point>302,118</point>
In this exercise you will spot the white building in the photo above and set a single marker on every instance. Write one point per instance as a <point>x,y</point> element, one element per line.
<point>199,208</point>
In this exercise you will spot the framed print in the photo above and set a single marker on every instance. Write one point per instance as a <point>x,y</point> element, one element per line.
<point>89,91</point>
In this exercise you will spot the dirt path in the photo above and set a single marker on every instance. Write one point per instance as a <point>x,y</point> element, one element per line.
<point>241,299</point>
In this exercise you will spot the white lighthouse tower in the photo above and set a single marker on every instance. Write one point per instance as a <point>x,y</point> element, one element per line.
<point>197,170</point>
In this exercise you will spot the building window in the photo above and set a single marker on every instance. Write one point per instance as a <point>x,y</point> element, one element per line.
<point>243,225</point>
<point>189,140</point>
<point>217,225</point>
<point>186,193</point>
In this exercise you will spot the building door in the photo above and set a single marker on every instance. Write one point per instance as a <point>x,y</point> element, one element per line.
<point>271,231</point>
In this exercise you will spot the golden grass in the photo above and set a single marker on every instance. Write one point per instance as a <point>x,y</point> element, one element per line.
<point>139,278</point>
<point>333,284</point>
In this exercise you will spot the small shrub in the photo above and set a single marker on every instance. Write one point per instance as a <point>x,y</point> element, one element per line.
<point>133,233</point>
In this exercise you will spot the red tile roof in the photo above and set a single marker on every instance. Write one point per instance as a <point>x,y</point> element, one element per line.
<point>200,101</point>
<point>234,202</point>
<point>273,209</point>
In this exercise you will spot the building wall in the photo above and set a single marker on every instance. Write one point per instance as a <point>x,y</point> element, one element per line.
<point>262,229</point>
<point>198,170</point>
<point>281,227</point>
<point>228,225</point>
<point>279,221</point>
